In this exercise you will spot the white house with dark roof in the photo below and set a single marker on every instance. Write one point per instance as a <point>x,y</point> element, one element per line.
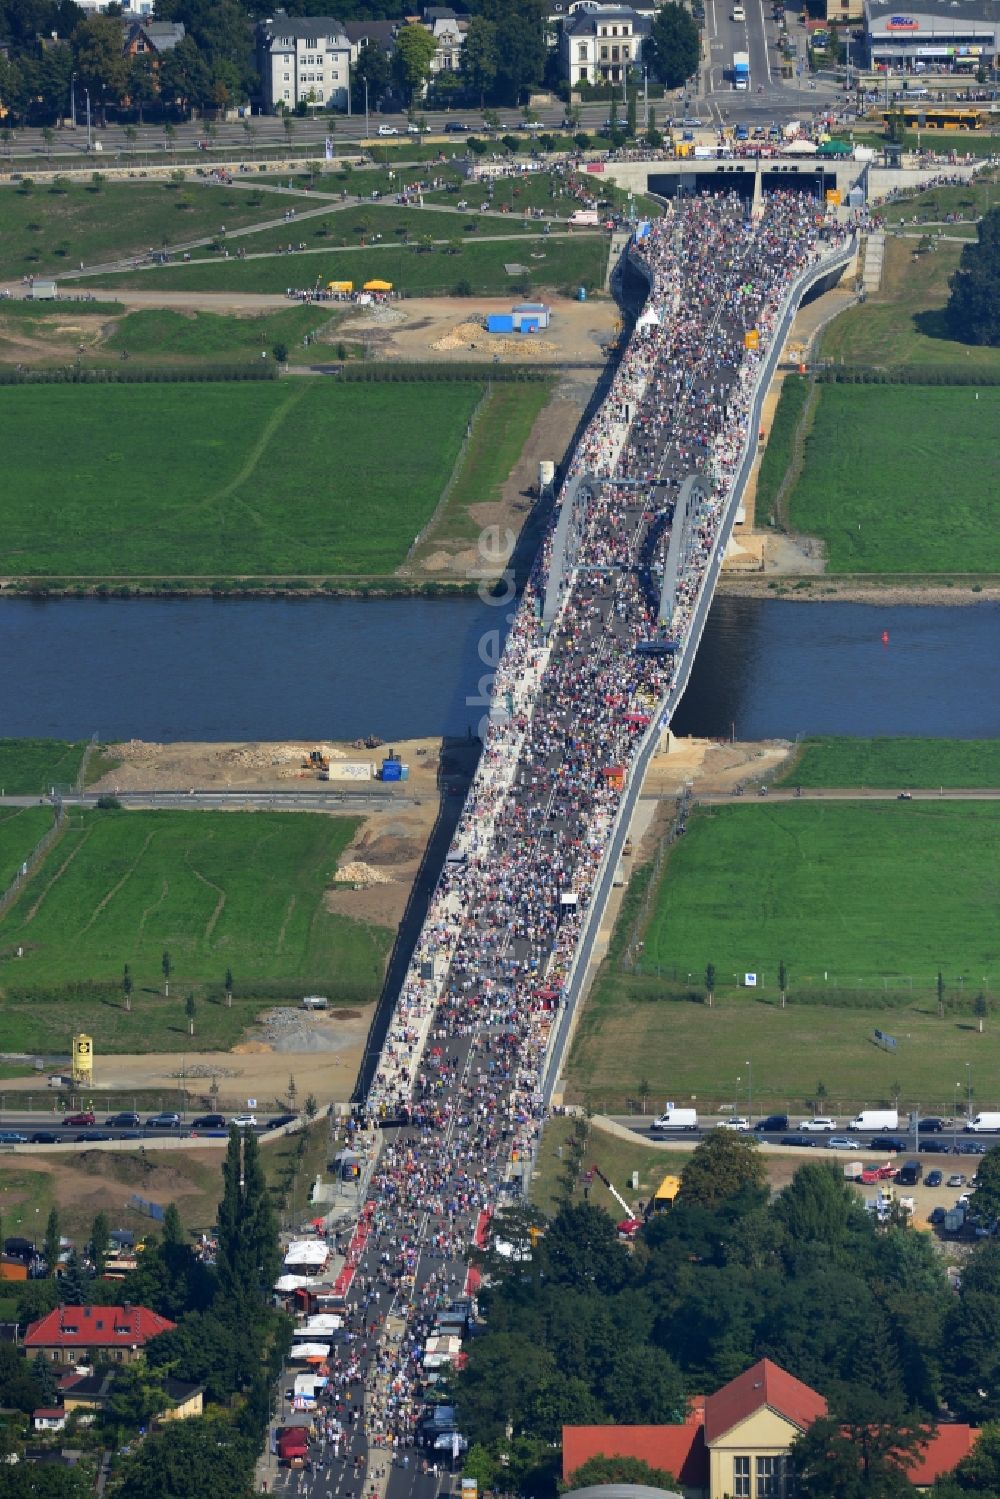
<point>303,59</point>
<point>601,43</point>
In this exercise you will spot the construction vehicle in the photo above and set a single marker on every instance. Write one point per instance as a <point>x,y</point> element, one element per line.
<point>630,1224</point>
<point>316,760</point>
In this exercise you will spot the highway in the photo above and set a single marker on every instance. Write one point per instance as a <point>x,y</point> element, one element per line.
<point>316,799</point>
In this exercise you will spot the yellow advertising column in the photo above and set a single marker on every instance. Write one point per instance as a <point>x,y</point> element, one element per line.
<point>83,1061</point>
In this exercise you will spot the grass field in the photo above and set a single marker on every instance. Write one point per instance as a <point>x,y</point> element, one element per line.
<point>972,199</point>
<point>47,228</point>
<point>266,482</point>
<point>216,890</point>
<point>895,762</point>
<point>29,767</point>
<point>20,830</point>
<point>373,224</point>
<point>903,324</point>
<point>567,261</point>
<point>778,453</point>
<point>902,479</point>
<point>615,1156</point>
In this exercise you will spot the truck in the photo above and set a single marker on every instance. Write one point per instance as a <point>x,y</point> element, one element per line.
<point>675,1119</point>
<point>876,1119</point>
<point>984,1124</point>
<point>741,71</point>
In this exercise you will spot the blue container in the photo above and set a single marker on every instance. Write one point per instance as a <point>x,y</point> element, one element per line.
<point>581,294</point>
<point>392,770</point>
<point>500,322</point>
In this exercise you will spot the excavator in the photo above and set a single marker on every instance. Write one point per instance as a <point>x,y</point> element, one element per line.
<point>630,1224</point>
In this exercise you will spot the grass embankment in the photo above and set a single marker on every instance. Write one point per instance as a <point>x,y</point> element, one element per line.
<point>906,763</point>
<point>286,479</point>
<point>372,225</point>
<point>902,325</point>
<point>31,767</point>
<point>902,479</point>
<point>841,894</point>
<point>563,261</point>
<point>970,199</point>
<point>83,1182</point>
<point>20,830</point>
<point>49,228</point>
<point>778,453</point>
<point>616,1157</point>
<point>216,890</point>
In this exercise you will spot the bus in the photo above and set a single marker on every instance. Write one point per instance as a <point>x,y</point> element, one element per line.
<point>934,117</point>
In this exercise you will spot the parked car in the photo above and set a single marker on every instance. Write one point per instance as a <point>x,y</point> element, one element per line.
<point>933,1178</point>
<point>774,1124</point>
<point>84,1117</point>
<point>125,1120</point>
<point>956,1179</point>
<point>12,1137</point>
<point>819,1124</point>
<point>799,1140</point>
<point>937,1216</point>
<point>841,1142</point>
<point>244,1121</point>
<point>209,1121</point>
<point>163,1121</point>
<point>44,1137</point>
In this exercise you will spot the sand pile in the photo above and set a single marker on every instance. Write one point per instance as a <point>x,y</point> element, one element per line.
<point>473,335</point>
<point>357,872</point>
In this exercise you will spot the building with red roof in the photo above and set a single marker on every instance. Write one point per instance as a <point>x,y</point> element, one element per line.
<point>112,1334</point>
<point>735,1444</point>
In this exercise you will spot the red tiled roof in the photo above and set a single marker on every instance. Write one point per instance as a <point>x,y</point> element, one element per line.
<point>763,1384</point>
<point>48,1412</point>
<point>679,1450</point>
<point>942,1453</point>
<point>96,1327</point>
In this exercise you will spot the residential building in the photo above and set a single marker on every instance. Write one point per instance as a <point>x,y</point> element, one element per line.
<point>151,38</point>
<point>378,33</point>
<point>601,44</point>
<point>49,1418</point>
<point>448,30</point>
<point>735,1444</point>
<point>107,1334</point>
<point>303,60</point>
<point>935,34</point>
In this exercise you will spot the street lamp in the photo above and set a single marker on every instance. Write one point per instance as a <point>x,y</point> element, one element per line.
<point>367,131</point>
<point>72,100</point>
<point>750,1091</point>
<point>90,133</point>
<point>954,1122</point>
<point>968,1085</point>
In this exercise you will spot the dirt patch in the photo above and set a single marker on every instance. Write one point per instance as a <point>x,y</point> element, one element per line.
<point>147,766</point>
<point>442,328</point>
<point>472,336</point>
<point>711,765</point>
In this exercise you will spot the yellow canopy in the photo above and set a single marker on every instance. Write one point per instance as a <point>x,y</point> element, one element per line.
<point>344,286</point>
<point>378,286</point>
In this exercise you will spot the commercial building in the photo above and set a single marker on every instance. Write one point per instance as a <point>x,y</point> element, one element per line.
<point>950,35</point>
<point>601,44</point>
<point>303,60</point>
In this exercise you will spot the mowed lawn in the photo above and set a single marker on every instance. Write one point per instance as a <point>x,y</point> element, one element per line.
<point>903,479</point>
<point>289,478</point>
<point>216,890</point>
<point>20,830</point>
<point>29,767</point>
<point>902,762</point>
<point>857,890</point>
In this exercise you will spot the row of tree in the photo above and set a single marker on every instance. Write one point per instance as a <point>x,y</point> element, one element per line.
<point>583,1331</point>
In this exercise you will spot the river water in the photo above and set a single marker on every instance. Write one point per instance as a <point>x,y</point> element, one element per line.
<point>341,668</point>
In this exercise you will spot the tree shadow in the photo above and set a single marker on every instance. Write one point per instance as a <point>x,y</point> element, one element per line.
<point>933,323</point>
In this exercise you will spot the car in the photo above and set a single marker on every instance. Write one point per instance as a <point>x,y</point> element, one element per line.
<point>933,1178</point>
<point>209,1121</point>
<point>934,1147</point>
<point>456,127</point>
<point>799,1140</point>
<point>84,1117</point>
<point>244,1121</point>
<point>971,1147</point>
<point>87,1137</point>
<point>956,1179</point>
<point>736,1123</point>
<point>387,130</point>
<point>12,1137</point>
<point>413,128</point>
<point>841,1142</point>
<point>44,1137</point>
<point>891,1143</point>
<point>930,1126</point>
<point>904,796</point>
<point>125,1120</point>
<point>937,1216</point>
<point>773,1124</point>
<point>280,1120</point>
<point>163,1121</point>
<point>819,1124</point>
<point>691,122</point>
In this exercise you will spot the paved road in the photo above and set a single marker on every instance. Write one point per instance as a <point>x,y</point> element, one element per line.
<point>319,799</point>
<point>850,794</point>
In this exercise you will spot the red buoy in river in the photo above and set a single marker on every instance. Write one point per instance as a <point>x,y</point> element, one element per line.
<point>885,637</point>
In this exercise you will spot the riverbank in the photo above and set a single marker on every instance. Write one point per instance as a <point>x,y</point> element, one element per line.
<point>932,592</point>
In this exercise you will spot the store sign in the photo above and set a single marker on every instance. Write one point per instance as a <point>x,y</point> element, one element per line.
<point>902,23</point>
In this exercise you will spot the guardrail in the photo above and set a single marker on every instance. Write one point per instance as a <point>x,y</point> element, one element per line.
<point>603,882</point>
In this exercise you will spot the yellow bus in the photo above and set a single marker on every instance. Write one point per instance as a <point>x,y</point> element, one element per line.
<point>934,117</point>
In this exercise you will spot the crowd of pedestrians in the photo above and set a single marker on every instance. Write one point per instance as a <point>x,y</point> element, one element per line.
<point>457,1094</point>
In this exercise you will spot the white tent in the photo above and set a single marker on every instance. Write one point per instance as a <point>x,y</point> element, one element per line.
<point>799,147</point>
<point>294,1282</point>
<point>301,1351</point>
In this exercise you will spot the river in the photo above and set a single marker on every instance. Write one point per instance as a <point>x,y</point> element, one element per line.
<point>202,669</point>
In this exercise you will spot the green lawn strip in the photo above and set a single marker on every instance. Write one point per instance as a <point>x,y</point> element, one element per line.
<point>27,1197</point>
<point>902,479</point>
<point>29,767</point>
<point>616,1157</point>
<point>48,229</point>
<point>243,891</point>
<point>20,830</point>
<point>479,267</point>
<point>838,890</point>
<point>972,199</point>
<point>368,224</point>
<point>903,323</point>
<point>778,453</point>
<point>267,481</point>
<point>906,763</point>
<point>501,429</point>
<point>159,333</point>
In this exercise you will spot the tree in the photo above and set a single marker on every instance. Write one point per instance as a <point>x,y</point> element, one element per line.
<point>136,1396</point>
<point>940,994</point>
<point>724,1165</point>
<point>520,45</point>
<point>48,136</point>
<point>228,984</point>
<point>73,1282</point>
<point>50,1244</point>
<point>372,67</point>
<point>601,1470</point>
<point>202,1455</point>
<point>44,1376</point>
<point>674,47</point>
<point>190,1010</point>
<point>311,1106</point>
<point>631,109</point>
<point>835,1461</point>
<point>143,86</point>
<point>782,981</point>
<point>986,1198</point>
<point>581,1250</point>
<point>185,80</point>
<point>415,50</point>
<point>980,1008</point>
<point>480,57</point>
<point>99,1243</point>
<point>126,972</point>
<point>18,1386</point>
<point>292,1093</point>
<point>710,983</point>
<point>100,65</point>
<point>973,312</point>
<point>288,124</point>
<point>167,966</point>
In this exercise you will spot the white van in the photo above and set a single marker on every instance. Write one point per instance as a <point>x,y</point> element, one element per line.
<point>988,1124</point>
<point>315,1002</point>
<point>739,12</point>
